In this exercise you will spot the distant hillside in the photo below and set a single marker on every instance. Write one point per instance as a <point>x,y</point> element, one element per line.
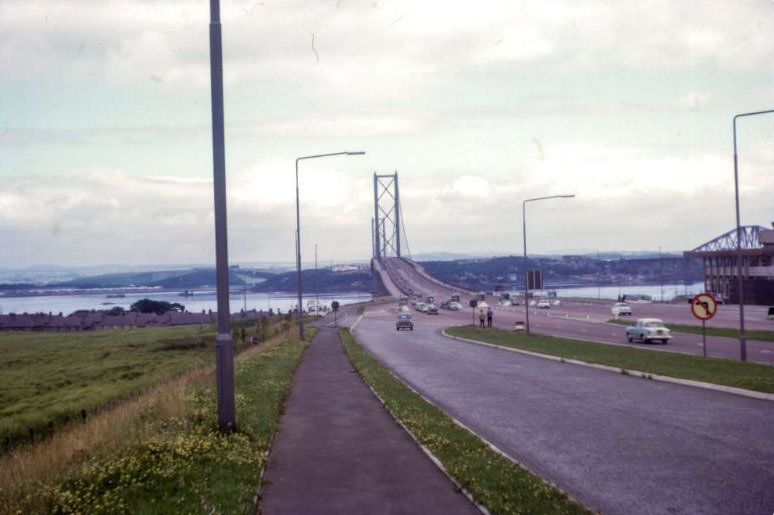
<point>563,271</point>
<point>321,280</point>
<point>185,279</point>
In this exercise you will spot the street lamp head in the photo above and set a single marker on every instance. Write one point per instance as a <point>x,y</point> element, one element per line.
<point>567,196</point>
<point>359,153</point>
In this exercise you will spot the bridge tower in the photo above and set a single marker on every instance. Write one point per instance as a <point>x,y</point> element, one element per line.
<point>385,226</point>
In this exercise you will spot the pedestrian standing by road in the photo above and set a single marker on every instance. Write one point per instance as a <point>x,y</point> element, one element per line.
<point>489,316</point>
<point>481,318</point>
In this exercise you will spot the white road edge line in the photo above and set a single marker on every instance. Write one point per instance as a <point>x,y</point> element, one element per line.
<point>434,459</point>
<point>352,327</point>
<point>625,371</point>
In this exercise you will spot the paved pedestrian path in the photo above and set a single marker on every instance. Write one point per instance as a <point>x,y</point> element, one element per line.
<point>339,451</point>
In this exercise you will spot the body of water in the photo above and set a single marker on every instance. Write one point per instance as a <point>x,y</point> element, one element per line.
<point>654,291</point>
<point>200,301</point>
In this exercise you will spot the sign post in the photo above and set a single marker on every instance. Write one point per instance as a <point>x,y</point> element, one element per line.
<point>704,306</point>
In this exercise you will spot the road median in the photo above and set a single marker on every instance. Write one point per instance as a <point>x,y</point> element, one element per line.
<point>753,380</point>
<point>492,479</point>
<point>758,335</point>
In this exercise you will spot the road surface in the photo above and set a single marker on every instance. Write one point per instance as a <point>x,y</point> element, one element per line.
<point>588,320</point>
<point>617,443</point>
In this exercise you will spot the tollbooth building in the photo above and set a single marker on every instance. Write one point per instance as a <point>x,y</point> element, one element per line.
<point>720,268</point>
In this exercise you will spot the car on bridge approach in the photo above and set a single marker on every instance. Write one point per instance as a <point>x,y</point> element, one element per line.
<point>432,309</point>
<point>648,330</point>
<point>544,304</point>
<point>404,322</point>
<point>620,309</point>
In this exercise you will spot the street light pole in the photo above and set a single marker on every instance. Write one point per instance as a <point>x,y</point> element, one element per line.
<point>300,315</point>
<point>524,233</point>
<point>224,345</point>
<point>740,283</point>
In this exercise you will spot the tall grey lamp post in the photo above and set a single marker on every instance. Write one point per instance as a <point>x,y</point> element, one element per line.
<point>224,345</point>
<point>298,236</point>
<point>524,232</point>
<point>740,283</point>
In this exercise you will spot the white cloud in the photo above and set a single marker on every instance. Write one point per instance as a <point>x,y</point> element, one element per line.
<point>693,101</point>
<point>167,40</point>
<point>478,105</point>
<point>471,186</point>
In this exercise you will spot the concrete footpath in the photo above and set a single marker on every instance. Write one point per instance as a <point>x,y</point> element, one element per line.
<point>339,451</point>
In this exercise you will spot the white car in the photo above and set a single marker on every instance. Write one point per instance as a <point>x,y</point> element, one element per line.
<point>454,306</point>
<point>648,330</point>
<point>543,304</point>
<point>620,309</point>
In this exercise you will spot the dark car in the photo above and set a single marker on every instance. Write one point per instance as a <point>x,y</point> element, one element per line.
<point>404,322</point>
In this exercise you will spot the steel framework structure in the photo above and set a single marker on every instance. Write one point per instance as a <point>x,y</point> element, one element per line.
<point>728,241</point>
<point>385,225</point>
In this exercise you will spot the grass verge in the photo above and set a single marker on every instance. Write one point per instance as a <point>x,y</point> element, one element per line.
<point>751,376</point>
<point>48,378</point>
<point>729,332</point>
<point>162,452</point>
<point>494,481</point>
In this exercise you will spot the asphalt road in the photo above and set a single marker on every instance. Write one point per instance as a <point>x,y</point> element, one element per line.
<point>616,443</point>
<point>589,320</point>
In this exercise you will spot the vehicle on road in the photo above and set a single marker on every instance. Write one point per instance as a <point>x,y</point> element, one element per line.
<point>404,322</point>
<point>648,330</point>
<point>719,298</point>
<point>543,304</point>
<point>454,306</point>
<point>421,307</point>
<point>432,309</point>
<point>770,315</point>
<point>621,309</point>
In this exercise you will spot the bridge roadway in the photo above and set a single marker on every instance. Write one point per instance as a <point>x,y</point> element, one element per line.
<point>588,320</point>
<point>618,444</point>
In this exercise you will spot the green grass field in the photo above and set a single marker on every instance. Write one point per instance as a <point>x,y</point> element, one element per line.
<point>493,480</point>
<point>49,376</point>
<point>167,455</point>
<point>755,334</point>
<point>752,376</point>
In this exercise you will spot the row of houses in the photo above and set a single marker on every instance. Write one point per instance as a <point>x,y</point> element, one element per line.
<point>95,320</point>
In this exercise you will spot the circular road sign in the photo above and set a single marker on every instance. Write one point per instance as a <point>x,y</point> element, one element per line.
<point>704,306</point>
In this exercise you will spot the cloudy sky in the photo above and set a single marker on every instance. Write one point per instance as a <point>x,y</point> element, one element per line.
<point>105,142</point>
